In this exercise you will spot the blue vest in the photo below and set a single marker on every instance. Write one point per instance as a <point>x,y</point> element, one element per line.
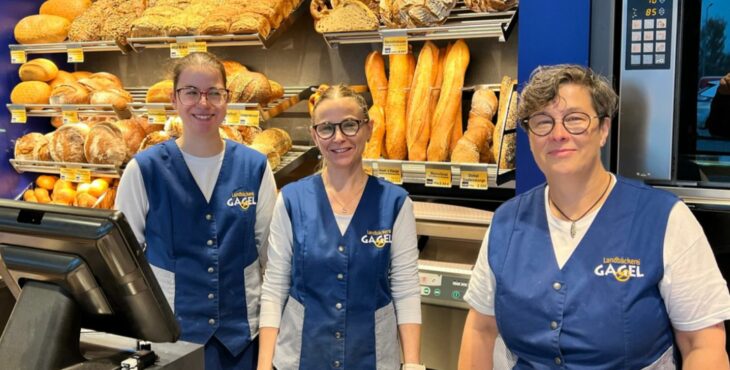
<point>603,309</point>
<point>341,281</point>
<point>206,245</point>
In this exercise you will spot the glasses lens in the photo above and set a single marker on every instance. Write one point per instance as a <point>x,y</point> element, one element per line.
<point>349,127</point>
<point>541,124</point>
<point>325,130</point>
<point>577,122</point>
<point>189,95</point>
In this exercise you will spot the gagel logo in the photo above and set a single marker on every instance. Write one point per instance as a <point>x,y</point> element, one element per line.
<point>621,268</point>
<point>378,238</point>
<point>242,199</point>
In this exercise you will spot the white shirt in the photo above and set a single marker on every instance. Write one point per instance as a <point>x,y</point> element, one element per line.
<point>693,289</point>
<point>404,283</point>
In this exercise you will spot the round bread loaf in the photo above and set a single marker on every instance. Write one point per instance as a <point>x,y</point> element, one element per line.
<point>39,69</point>
<point>28,145</point>
<point>69,9</point>
<point>78,75</point>
<point>160,92</point>
<point>101,81</point>
<point>154,138</point>
<point>118,98</point>
<point>275,138</point>
<point>147,126</point>
<point>44,150</point>
<point>70,93</point>
<point>277,91</point>
<point>67,143</point>
<point>61,78</point>
<point>31,92</point>
<point>231,133</point>
<point>232,67</point>
<point>133,134</point>
<point>272,156</point>
<point>248,133</point>
<point>249,87</point>
<point>105,145</point>
<point>42,29</point>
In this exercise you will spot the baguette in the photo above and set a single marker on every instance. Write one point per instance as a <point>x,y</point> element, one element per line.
<point>505,121</point>
<point>455,64</point>
<point>418,115</point>
<point>395,109</point>
<point>375,75</point>
<point>375,144</point>
<point>458,130</point>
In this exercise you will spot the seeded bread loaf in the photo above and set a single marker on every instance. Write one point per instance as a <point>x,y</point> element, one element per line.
<point>348,15</point>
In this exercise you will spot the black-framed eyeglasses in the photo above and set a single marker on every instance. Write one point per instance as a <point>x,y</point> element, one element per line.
<point>348,127</point>
<point>191,95</point>
<point>542,124</point>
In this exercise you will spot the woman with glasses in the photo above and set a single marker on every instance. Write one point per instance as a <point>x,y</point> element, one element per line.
<point>203,206</point>
<point>341,282</point>
<point>590,270</point>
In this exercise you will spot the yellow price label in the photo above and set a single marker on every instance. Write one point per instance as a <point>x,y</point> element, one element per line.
<point>395,45</point>
<point>156,115</point>
<point>18,56</point>
<point>474,179</point>
<point>250,118</point>
<point>179,50</point>
<point>75,174</point>
<point>368,168</point>
<point>392,173</point>
<point>233,117</point>
<point>18,114</point>
<point>75,55</point>
<point>197,47</point>
<point>438,177</point>
<point>70,116</point>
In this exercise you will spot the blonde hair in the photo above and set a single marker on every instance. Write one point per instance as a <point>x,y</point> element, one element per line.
<point>342,91</point>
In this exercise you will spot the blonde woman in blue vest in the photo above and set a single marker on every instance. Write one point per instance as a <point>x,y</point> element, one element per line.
<point>591,270</point>
<point>203,205</point>
<point>341,284</point>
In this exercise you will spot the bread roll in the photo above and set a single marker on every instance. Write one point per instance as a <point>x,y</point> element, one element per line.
<point>395,109</point>
<point>418,116</point>
<point>506,120</point>
<point>183,24</point>
<point>31,92</point>
<point>147,126</point>
<point>455,64</point>
<point>154,138</point>
<point>269,10</point>
<point>69,9</point>
<point>277,91</point>
<point>28,145</point>
<point>375,75</point>
<point>70,93</point>
<point>275,138</point>
<point>67,143</point>
<point>133,133</point>
<point>101,81</point>
<point>105,145</point>
<point>348,15</point>
<point>42,29</point>
<point>39,69</point>
<point>248,133</point>
<point>61,78</point>
<point>78,75</point>
<point>116,97</point>
<point>249,87</point>
<point>375,144</point>
<point>160,92</point>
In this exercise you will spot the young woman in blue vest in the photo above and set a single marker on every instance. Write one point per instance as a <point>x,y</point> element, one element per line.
<point>591,270</point>
<point>203,206</point>
<point>341,283</point>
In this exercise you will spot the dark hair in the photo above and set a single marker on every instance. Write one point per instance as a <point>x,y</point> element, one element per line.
<point>545,81</point>
<point>205,59</point>
<point>342,91</point>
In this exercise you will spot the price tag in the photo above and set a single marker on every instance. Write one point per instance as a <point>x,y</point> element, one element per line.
<point>70,115</point>
<point>367,166</point>
<point>391,172</point>
<point>438,176</point>
<point>197,47</point>
<point>75,174</point>
<point>250,118</point>
<point>18,56</point>
<point>395,42</point>
<point>156,115</point>
<point>179,50</point>
<point>475,179</point>
<point>18,114</point>
<point>233,117</point>
<point>75,54</point>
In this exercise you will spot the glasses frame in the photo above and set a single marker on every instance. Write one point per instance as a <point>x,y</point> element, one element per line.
<point>338,126</point>
<point>526,123</point>
<point>203,93</point>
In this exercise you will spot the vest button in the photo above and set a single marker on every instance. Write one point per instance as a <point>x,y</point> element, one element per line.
<point>340,276</point>
<point>211,296</point>
<point>338,306</point>
<point>557,285</point>
<point>336,363</point>
<point>211,270</point>
<point>553,325</point>
<point>209,242</point>
<point>341,249</point>
<point>338,335</point>
<point>211,321</point>
<point>208,216</point>
<point>558,361</point>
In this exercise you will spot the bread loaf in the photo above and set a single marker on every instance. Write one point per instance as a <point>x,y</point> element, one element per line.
<point>424,13</point>
<point>268,10</point>
<point>232,67</point>
<point>277,91</point>
<point>69,9</point>
<point>148,127</point>
<point>28,145</point>
<point>375,144</point>
<point>183,24</point>
<point>154,138</point>
<point>67,143</point>
<point>78,75</point>
<point>458,130</point>
<point>249,87</point>
<point>61,78</point>
<point>272,155</point>
<point>275,138</point>
<point>506,120</point>
<point>418,116</point>
<point>42,29</point>
<point>160,92</point>
<point>31,92</point>
<point>118,98</point>
<point>251,23</point>
<point>455,64</point>
<point>375,75</point>
<point>230,133</point>
<point>133,133</point>
<point>174,127</point>
<point>248,133</point>
<point>43,152</point>
<point>39,69</point>
<point>149,26</point>
<point>70,93</point>
<point>395,109</point>
<point>348,15</point>
<point>105,145</point>
<point>478,135</point>
<point>101,81</point>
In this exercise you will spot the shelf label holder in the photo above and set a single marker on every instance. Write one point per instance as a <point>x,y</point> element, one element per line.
<point>18,56</point>
<point>438,176</point>
<point>75,53</point>
<point>186,45</point>
<point>473,177</point>
<point>75,174</point>
<point>156,114</point>
<point>18,113</point>
<point>70,114</point>
<point>392,172</point>
<point>395,42</point>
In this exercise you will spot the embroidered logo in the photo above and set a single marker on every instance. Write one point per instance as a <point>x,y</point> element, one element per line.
<point>242,199</point>
<point>622,269</point>
<point>378,238</point>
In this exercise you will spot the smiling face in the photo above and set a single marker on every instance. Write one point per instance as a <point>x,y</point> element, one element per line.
<point>561,153</point>
<point>340,150</point>
<point>203,117</point>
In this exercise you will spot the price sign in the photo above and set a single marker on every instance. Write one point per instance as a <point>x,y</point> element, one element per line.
<point>75,175</point>
<point>438,176</point>
<point>18,114</point>
<point>156,115</point>
<point>197,47</point>
<point>179,50</point>
<point>250,118</point>
<point>392,172</point>
<point>186,45</point>
<point>473,178</point>
<point>70,115</point>
<point>233,117</point>
<point>367,167</point>
<point>395,42</point>
<point>75,54</point>
<point>18,56</point>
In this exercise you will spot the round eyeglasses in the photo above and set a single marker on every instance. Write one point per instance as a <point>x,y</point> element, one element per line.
<point>542,124</point>
<point>192,95</point>
<point>348,127</point>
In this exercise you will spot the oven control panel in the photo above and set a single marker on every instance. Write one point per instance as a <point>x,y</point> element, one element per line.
<point>445,288</point>
<point>648,34</point>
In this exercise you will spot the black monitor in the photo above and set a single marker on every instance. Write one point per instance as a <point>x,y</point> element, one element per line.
<point>70,268</point>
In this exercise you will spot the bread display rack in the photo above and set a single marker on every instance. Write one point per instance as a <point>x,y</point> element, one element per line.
<point>56,168</point>
<point>462,23</point>
<point>64,47</point>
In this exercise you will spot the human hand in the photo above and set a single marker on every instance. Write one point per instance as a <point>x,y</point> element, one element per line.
<point>724,87</point>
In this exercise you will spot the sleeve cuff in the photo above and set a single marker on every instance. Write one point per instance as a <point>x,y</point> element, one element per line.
<point>270,315</point>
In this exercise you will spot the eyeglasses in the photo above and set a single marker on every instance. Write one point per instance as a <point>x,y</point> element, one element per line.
<point>542,124</point>
<point>348,127</point>
<point>192,95</point>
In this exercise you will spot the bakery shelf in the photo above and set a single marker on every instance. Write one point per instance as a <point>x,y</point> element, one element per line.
<point>56,110</point>
<point>290,161</point>
<point>414,172</point>
<point>63,47</point>
<point>462,23</point>
<point>97,170</point>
